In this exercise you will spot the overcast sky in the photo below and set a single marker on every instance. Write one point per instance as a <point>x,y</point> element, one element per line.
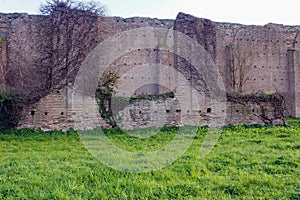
<point>238,11</point>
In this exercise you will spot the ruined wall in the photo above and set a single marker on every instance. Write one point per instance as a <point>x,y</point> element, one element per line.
<point>294,77</point>
<point>263,50</point>
<point>24,35</point>
<point>143,113</point>
<point>249,113</point>
<point>270,67</point>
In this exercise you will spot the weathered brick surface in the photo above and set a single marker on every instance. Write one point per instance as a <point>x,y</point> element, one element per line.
<point>271,56</point>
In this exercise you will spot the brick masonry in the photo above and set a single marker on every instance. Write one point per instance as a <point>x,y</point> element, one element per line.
<point>270,53</point>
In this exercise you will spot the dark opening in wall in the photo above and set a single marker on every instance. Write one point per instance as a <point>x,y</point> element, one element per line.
<point>62,113</point>
<point>167,111</point>
<point>140,112</point>
<point>254,66</point>
<point>32,112</point>
<point>253,110</point>
<point>208,110</point>
<point>142,21</point>
<point>118,20</point>
<point>237,111</point>
<point>57,92</point>
<point>223,110</point>
<point>178,111</point>
<point>125,64</point>
<point>46,113</point>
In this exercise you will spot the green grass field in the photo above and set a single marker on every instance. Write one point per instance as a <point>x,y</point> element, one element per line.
<point>247,163</point>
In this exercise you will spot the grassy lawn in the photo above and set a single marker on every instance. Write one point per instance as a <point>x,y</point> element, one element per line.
<point>246,163</point>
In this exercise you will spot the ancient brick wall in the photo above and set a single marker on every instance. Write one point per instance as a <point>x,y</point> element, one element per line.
<point>294,77</point>
<point>263,49</point>
<point>270,53</point>
<point>24,35</point>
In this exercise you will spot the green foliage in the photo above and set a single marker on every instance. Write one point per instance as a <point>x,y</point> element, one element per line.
<point>152,97</point>
<point>104,92</point>
<point>246,163</point>
<point>2,39</point>
<point>292,121</point>
<point>10,110</point>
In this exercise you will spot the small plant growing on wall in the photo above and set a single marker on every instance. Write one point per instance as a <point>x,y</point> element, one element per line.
<point>104,92</point>
<point>2,39</point>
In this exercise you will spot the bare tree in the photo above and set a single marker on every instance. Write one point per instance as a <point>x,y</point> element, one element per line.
<point>239,66</point>
<point>73,28</point>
